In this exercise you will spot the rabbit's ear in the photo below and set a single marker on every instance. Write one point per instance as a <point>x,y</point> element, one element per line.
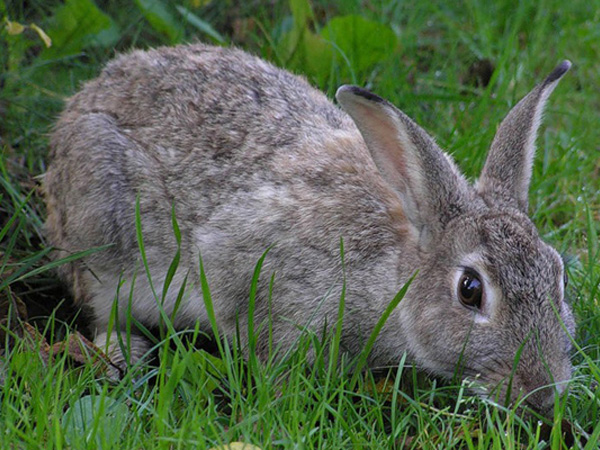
<point>429,184</point>
<point>507,170</point>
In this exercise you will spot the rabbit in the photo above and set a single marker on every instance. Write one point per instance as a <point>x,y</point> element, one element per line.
<point>250,157</point>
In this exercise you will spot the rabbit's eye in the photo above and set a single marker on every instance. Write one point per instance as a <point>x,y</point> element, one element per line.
<point>470,289</point>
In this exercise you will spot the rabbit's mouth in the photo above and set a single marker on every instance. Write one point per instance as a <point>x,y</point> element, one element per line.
<point>514,393</point>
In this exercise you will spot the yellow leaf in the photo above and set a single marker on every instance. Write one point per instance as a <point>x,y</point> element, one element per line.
<point>43,36</point>
<point>200,3</point>
<point>236,446</point>
<point>14,27</point>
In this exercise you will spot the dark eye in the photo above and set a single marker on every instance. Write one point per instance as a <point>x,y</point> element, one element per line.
<point>470,289</point>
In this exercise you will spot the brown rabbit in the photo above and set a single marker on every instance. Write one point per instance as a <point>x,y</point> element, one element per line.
<point>251,156</point>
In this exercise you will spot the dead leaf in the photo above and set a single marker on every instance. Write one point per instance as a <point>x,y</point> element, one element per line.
<point>43,36</point>
<point>236,446</point>
<point>81,350</point>
<point>14,28</point>
<point>14,326</point>
<point>200,3</point>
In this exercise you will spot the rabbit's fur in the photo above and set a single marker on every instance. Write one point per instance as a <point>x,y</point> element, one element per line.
<point>251,156</point>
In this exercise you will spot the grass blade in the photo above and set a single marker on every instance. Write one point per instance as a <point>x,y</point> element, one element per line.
<point>200,24</point>
<point>362,359</point>
<point>20,276</point>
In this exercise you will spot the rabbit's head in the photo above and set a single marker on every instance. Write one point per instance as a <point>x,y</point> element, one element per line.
<point>488,300</point>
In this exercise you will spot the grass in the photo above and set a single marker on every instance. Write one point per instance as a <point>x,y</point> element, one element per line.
<point>457,68</point>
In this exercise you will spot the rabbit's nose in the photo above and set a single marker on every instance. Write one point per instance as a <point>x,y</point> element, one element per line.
<point>542,399</point>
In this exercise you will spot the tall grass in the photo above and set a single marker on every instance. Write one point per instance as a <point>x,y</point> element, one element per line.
<point>457,68</point>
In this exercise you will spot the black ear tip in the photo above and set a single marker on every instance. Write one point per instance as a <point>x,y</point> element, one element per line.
<point>347,90</point>
<point>559,71</point>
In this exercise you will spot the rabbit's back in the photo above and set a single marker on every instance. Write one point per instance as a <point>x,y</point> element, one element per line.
<point>213,98</point>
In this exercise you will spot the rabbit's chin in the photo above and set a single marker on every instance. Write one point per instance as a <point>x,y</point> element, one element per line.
<point>506,394</point>
<point>521,392</point>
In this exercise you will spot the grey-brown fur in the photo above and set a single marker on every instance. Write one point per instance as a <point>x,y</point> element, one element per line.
<point>252,156</point>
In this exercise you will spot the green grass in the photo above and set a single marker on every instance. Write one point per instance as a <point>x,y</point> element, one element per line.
<point>437,73</point>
